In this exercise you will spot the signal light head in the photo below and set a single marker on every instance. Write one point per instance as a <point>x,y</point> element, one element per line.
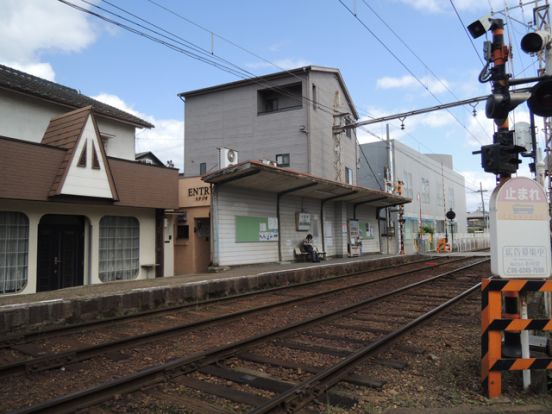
<point>540,101</point>
<point>535,41</point>
<point>498,105</point>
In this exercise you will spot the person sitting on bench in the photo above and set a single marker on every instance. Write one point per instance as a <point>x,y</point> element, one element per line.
<point>309,248</point>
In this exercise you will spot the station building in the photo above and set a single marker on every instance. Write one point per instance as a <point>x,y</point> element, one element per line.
<point>300,175</point>
<point>260,213</point>
<point>75,206</point>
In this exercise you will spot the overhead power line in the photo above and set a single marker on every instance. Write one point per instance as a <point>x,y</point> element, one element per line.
<point>189,49</point>
<point>419,59</point>
<point>399,60</point>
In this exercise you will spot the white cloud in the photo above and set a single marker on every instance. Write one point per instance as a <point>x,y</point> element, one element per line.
<point>440,6</point>
<point>29,27</point>
<point>166,140</point>
<point>409,82</point>
<point>281,64</point>
<point>42,70</point>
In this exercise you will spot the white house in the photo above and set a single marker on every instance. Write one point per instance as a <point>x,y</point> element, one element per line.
<point>75,206</point>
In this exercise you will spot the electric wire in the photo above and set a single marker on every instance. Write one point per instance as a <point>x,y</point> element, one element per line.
<point>382,43</point>
<point>238,46</point>
<point>463,185</point>
<point>466,30</point>
<point>403,42</point>
<point>237,70</point>
<point>185,43</point>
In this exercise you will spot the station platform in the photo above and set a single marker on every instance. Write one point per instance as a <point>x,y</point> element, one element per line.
<point>85,303</point>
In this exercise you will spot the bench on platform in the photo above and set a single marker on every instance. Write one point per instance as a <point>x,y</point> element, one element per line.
<point>302,255</point>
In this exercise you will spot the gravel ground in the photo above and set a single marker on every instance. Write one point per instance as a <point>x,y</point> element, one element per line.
<point>444,373</point>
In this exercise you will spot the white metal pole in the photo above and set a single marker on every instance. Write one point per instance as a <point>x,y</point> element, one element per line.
<point>524,337</point>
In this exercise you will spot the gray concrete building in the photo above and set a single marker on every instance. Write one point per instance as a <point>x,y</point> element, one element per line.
<point>429,180</point>
<point>286,117</point>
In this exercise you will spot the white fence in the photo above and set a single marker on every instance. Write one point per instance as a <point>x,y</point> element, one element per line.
<point>462,242</point>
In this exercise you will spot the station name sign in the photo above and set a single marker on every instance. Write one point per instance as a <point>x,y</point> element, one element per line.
<point>520,230</point>
<point>199,193</point>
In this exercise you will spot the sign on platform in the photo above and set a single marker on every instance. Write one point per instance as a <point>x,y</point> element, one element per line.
<point>520,230</point>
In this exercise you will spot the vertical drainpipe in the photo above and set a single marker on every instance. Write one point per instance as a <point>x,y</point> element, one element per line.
<point>308,132</point>
<point>279,227</point>
<point>214,227</point>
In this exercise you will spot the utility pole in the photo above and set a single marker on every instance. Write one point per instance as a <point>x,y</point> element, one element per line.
<point>481,191</point>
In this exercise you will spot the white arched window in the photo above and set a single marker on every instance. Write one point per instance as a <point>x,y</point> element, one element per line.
<point>119,248</point>
<point>14,251</point>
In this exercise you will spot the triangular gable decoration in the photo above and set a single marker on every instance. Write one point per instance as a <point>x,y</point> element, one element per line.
<point>85,175</point>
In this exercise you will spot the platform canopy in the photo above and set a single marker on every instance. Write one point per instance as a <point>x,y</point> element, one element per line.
<point>255,175</point>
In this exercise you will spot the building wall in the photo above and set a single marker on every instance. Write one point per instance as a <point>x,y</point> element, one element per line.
<point>411,167</point>
<point>421,167</point>
<point>229,202</point>
<point>27,118</point>
<point>192,255</point>
<point>289,235</point>
<point>93,214</point>
<point>367,215</point>
<point>329,160</point>
<point>188,256</point>
<point>229,118</point>
<point>373,160</point>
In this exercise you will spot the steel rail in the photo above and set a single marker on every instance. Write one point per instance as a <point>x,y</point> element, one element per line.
<point>180,366</point>
<point>301,394</point>
<point>61,330</point>
<point>59,359</point>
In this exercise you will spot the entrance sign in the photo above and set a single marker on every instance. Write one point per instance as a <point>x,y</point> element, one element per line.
<point>520,230</point>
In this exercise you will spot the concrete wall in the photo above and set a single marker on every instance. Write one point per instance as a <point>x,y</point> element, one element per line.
<point>27,118</point>
<point>93,214</point>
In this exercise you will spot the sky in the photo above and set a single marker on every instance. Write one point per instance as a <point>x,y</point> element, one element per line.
<point>394,55</point>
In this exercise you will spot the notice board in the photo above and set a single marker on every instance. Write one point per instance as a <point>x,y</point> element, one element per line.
<point>256,229</point>
<point>366,230</point>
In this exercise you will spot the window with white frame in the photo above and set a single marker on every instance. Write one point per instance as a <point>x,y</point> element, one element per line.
<point>425,191</point>
<point>348,175</point>
<point>282,160</point>
<point>407,180</point>
<point>119,248</point>
<point>14,251</point>
<point>450,201</point>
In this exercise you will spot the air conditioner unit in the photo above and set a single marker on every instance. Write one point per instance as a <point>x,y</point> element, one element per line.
<point>227,157</point>
<point>269,162</point>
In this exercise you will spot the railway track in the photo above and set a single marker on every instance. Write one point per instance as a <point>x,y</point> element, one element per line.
<point>45,360</point>
<point>364,327</point>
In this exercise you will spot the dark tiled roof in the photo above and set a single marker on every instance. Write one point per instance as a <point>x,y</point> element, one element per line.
<point>32,85</point>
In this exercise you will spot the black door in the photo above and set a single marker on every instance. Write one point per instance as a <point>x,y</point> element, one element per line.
<point>60,252</point>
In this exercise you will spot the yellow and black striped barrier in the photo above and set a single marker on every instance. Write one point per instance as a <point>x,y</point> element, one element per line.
<point>492,326</point>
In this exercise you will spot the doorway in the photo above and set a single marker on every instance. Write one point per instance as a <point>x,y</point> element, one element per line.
<point>60,261</point>
<point>202,234</point>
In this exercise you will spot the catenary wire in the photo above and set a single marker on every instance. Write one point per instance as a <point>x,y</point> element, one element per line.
<point>237,70</point>
<point>197,48</point>
<point>403,42</point>
<point>382,43</point>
